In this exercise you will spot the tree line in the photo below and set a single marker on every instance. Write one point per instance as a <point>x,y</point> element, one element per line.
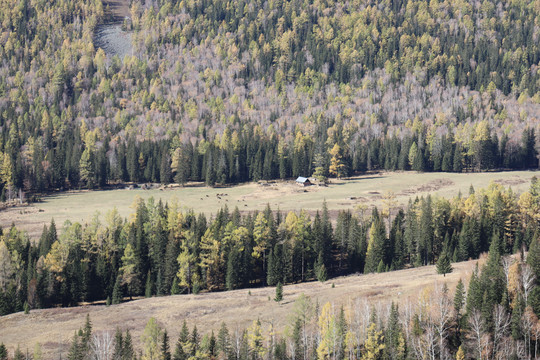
<point>493,317</point>
<point>81,160</point>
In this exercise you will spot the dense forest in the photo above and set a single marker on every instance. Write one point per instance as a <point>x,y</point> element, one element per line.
<point>491,318</point>
<point>230,91</point>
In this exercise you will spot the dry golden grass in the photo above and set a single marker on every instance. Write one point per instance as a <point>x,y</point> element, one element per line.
<point>54,328</point>
<point>340,194</point>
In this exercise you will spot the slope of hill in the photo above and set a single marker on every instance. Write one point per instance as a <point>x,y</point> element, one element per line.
<point>54,328</point>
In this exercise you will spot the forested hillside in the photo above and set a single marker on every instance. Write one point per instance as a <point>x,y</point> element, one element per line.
<point>229,91</point>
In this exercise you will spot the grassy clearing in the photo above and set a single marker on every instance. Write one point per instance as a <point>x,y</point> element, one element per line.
<point>54,328</point>
<point>367,190</point>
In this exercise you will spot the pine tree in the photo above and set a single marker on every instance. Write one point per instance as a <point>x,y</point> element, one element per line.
<point>149,288</point>
<point>183,168</point>
<point>533,258</point>
<point>38,354</point>
<point>338,168</point>
<point>320,269</point>
<point>425,241</point>
<point>179,353</point>
<point>195,340</point>
<point>165,168</point>
<point>165,349</point>
<point>130,270</point>
<point>443,264</point>
<point>459,298</point>
<point>223,340</point>
<point>232,278</point>
<point>458,160</point>
<point>87,168</point>
<point>75,352</point>
<point>118,345</point>
<point>492,278</point>
<point>3,352</point>
<point>183,346</point>
<point>381,268</point>
<point>175,289</point>
<point>374,345</point>
<point>279,292</point>
<point>86,335</point>
<point>419,162</point>
<point>18,354</point>
<point>394,339</point>
<point>276,266</point>
<point>117,291</point>
<point>475,293</point>
<point>128,353</point>
<point>151,338</point>
<point>375,251</point>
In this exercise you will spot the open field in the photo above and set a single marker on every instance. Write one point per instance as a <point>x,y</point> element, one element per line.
<point>340,194</point>
<point>54,328</point>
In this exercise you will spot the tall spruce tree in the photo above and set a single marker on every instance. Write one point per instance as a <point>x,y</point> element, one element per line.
<point>128,353</point>
<point>376,244</point>
<point>443,264</point>
<point>165,349</point>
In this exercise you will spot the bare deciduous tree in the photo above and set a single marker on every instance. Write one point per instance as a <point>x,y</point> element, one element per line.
<point>102,346</point>
<point>443,317</point>
<point>527,280</point>
<point>478,336</point>
<point>507,261</point>
<point>501,324</point>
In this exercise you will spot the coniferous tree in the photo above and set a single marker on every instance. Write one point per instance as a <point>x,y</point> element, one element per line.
<point>459,298</point>
<point>279,292</point>
<point>320,269</point>
<point>75,350</point>
<point>394,339</point>
<point>376,244</point>
<point>223,345</point>
<point>117,295</point>
<point>232,278</point>
<point>118,345</point>
<point>475,293</point>
<point>492,279</point>
<point>458,159</point>
<point>3,352</point>
<point>18,354</point>
<point>165,169</point>
<point>128,353</point>
<point>179,353</point>
<point>165,349</point>
<point>149,287</point>
<point>533,257</point>
<point>86,335</point>
<point>425,241</point>
<point>443,264</point>
<point>187,159</point>
<point>195,340</point>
